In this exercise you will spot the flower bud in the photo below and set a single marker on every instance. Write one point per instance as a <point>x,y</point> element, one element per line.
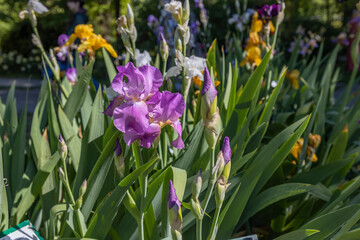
<point>208,96</point>
<point>164,48</point>
<point>129,15</point>
<point>196,186</point>
<point>196,208</point>
<point>186,11</point>
<point>175,216</point>
<point>213,127</point>
<point>178,45</point>
<point>176,235</point>
<point>83,188</point>
<point>55,64</point>
<point>23,14</point>
<point>218,168</point>
<point>226,150</point>
<point>61,174</point>
<point>121,22</point>
<point>127,44</point>
<point>175,8</point>
<point>220,190</point>
<point>63,149</point>
<point>226,173</point>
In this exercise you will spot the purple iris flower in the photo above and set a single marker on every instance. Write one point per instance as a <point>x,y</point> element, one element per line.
<point>145,110</point>
<point>62,53</point>
<point>226,150</point>
<point>71,75</point>
<point>268,12</point>
<point>172,198</point>
<point>152,20</point>
<point>62,39</point>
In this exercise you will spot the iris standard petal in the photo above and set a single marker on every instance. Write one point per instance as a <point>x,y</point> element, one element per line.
<point>178,142</point>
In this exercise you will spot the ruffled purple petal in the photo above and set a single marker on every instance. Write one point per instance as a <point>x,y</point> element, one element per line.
<point>166,106</point>
<point>113,104</point>
<point>178,142</point>
<point>131,116</point>
<point>135,87</point>
<point>153,76</point>
<point>151,133</point>
<point>172,198</point>
<point>226,150</point>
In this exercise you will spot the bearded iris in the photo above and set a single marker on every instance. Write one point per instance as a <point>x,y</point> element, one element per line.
<point>140,110</point>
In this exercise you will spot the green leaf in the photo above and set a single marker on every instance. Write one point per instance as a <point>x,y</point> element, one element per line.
<point>252,176</point>
<point>233,97</point>
<point>178,177</point>
<point>318,174</point>
<point>18,158</point>
<point>78,64</point>
<point>96,122</point>
<point>298,234</point>
<point>102,220</point>
<point>347,225</point>
<point>55,210</point>
<point>4,212</point>
<point>250,88</point>
<point>71,138</point>
<point>75,220</point>
<point>111,71</point>
<point>211,56</point>
<point>98,175</point>
<point>24,201</point>
<point>78,95</point>
<point>272,195</point>
<point>339,147</point>
<point>352,235</point>
<point>330,222</point>
<point>266,114</point>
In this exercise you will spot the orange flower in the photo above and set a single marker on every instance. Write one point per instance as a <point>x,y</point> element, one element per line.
<point>198,82</point>
<point>293,77</point>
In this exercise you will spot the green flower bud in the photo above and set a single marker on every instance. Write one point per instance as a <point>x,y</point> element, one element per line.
<point>129,15</point>
<point>226,172</point>
<point>63,149</point>
<point>178,45</point>
<point>220,190</point>
<point>196,186</point>
<point>83,188</point>
<point>196,208</point>
<point>186,11</point>
<point>164,48</point>
<point>176,235</point>
<point>218,168</point>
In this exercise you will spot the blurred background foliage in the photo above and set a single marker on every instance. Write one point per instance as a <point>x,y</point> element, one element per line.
<point>326,17</point>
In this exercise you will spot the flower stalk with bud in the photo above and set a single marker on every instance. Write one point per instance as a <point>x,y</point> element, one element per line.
<point>127,30</point>
<point>175,216</point>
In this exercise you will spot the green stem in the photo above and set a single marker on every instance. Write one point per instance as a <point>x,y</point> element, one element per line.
<point>71,196</point>
<point>210,188</point>
<point>198,229</point>
<point>164,147</point>
<point>143,187</point>
<point>214,225</point>
<point>184,89</point>
<point>134,51</point>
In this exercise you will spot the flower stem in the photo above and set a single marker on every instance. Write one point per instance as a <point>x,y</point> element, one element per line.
<point>71,196</point>
<point>184,90</point>
<point>143,188</point>
<point>164,148</point>
<point>198,229</point>
<point>214,225</point>
<point>134,52</point>
<point>210,188</point>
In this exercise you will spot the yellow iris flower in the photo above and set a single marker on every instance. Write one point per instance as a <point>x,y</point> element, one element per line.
<point>314,142</point>
<point>253,55</point>
<point>293,77</point>
<point>94,42</point>
<point>81,31</point>
<point>198,82</point>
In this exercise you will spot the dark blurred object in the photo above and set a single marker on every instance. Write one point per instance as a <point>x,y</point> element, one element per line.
<point>79,15</point>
